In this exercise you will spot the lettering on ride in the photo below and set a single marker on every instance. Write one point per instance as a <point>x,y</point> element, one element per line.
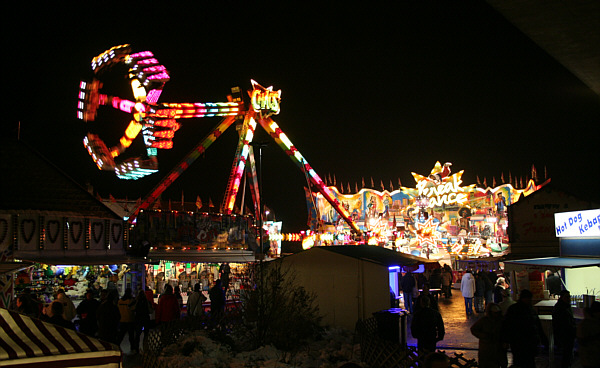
<point>445,193</point>
<point>265,100</point>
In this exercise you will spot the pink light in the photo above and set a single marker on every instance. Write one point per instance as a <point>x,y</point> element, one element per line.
<point>126,105</point>
<point>162,75</point>
<point>154,69</point>
<point>153,96</point>
<point>142,54</point>
<point>147,62</point>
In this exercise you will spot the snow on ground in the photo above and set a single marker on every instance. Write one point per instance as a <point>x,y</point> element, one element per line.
<point>196,349</point>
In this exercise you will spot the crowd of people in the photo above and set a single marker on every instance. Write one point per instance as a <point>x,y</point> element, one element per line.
<point>110,317</point>
<point>505,323</point>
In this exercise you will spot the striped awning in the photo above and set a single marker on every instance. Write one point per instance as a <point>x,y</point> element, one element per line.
<point>28,342</point>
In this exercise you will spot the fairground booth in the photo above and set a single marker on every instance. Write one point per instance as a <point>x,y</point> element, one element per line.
<point>577,269</point>
<point>438,217</point>
<point>56,234</point>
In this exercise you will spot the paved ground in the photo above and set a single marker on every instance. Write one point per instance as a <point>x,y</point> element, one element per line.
<point>458,337</point>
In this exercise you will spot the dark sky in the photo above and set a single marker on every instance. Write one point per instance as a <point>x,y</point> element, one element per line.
<point>367,91</point>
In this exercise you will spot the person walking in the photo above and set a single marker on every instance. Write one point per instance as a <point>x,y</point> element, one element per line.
<point>126,322</point>
<point>498,293</point>
<point>506,302</point>
<point>427,327</point>
<point>194,302</point>
<point>177,293</point>
<point>141,319</point>
<point>152,305</point>
<point>56,316</point>
<point>217,301</point>
<point>488,329</point>
<point>26,306</point>
<point>435,280</point>
<point>168,306</point>
<point>87,309</point>
<point>224,272</point>
<point>564,327</point>
<point>467,288</point>
<point>108,317</point>
<point>523,330</point>
<point>408,284</point>
<point>69,308</point>
<point>488,280</point>
<point>433,304</point>
<point>479,292</point>
<point>446,282</point>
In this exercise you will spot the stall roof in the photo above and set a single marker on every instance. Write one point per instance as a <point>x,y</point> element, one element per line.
<point>8,267</point>
<point>29,342</point>
<point>81,260</point>
<point>203,256</point>
<point>381,255</point>
<point>561,262</point>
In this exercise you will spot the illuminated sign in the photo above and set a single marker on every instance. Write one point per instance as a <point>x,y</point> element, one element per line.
<point>265,99</point>
<point>577,224</point>
<point>441,188</point>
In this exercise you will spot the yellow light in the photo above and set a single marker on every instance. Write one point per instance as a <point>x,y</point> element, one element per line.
<point>133,130</point>
<point>139,92</point>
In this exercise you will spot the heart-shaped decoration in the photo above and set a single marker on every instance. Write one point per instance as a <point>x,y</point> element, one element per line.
<point>97,231</point>
<point>116,230</point>
<point>76,231</point>
<point>53,230</point>
<point>27,230</point>
<point>3,230</point>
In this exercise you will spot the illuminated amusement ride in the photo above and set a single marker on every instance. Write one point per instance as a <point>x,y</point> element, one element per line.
<point>158,122</point>
<point>437,217</point>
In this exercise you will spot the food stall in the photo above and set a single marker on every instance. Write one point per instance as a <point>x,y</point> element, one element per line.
<point>578,264</point>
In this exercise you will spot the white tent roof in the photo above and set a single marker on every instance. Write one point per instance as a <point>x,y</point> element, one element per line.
<point>28,342</point>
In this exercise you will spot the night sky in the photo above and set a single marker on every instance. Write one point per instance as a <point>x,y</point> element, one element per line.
<point>367,91</point>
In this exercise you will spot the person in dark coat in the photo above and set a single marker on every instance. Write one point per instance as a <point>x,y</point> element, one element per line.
<point>141,319</point>
<point>408,283</point>
<point>433,304</point>
<point>489,286</point>
<point>435,280</point>
<point>224,272</point>
<point>217,300</point>
<point>168,306</point>
<point>177,293</point>
<point>488,329</point>
<point>479,292</point>
<point>499,288</point>
<point>553,284</point>
<point>523,330</point>
<point>427,327</point>
<point>56,317</point>
<point>127,321</point>
<point>26,306</point>
<point>564,327</point>
<point>108,317</point>
<point>88,323</point>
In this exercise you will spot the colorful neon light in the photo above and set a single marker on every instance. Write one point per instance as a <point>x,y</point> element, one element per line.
<point>147,77</point>
<point>265,100</point>
<point>441,188</point>
<point>157,122</point>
